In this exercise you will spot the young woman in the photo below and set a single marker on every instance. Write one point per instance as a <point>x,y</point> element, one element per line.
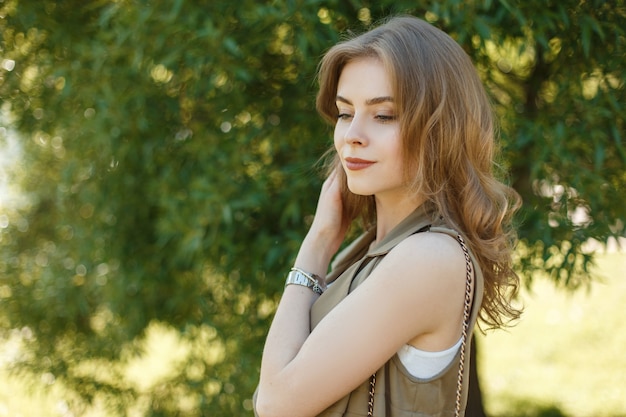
<point>413,160</point>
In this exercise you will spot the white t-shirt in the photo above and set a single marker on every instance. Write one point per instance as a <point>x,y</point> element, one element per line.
<point>424,364</point>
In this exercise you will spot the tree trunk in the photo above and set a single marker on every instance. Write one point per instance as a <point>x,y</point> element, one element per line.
<point>474,398</point>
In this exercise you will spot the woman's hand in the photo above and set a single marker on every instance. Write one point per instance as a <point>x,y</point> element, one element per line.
<point>330,223</point>
<point>327,231</point>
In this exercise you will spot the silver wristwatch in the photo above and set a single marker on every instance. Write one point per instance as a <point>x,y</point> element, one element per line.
<point>299,278</point>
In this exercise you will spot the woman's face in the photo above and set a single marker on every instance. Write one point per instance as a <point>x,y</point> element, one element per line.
<point>367,133</point>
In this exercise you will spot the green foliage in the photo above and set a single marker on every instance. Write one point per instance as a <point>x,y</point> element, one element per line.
<point>166,164</point>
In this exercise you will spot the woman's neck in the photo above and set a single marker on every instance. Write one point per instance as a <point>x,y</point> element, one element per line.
<point>390,213</point>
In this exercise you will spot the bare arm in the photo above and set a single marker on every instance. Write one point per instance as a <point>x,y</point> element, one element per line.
<point>411,296</point>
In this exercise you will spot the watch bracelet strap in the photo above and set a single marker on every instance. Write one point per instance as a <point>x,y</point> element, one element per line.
<point>299,277</point>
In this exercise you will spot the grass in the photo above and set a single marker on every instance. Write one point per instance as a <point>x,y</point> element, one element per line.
<point>566,356</point>
<point>564,359</point>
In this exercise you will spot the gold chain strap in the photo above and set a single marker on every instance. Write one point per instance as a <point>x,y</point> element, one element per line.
<point>370,403</point>
<point>466,315</point>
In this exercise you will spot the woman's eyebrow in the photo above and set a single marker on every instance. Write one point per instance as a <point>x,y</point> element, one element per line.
<point>343,100</point>
<point>378,100</point>
<point>375,100</point>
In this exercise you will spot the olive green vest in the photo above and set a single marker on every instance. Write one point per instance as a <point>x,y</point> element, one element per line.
<point>397,393</point>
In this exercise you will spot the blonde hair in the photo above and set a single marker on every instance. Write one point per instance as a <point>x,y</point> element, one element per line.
<point>448,133</point>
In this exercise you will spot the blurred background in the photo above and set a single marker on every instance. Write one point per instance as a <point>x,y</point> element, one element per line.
<point>158,168</point>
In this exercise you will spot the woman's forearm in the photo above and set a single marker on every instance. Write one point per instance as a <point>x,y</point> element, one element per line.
<point>288,332</point>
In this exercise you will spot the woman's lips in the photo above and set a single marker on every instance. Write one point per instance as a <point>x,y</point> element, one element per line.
<point>355,164</point>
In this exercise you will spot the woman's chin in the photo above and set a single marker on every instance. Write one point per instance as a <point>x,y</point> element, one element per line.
<point>362,191</point>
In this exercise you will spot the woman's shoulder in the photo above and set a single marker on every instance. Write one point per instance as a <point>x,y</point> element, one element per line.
<point>431,256</point>
<point>425,275</point>
<point>437,243</point>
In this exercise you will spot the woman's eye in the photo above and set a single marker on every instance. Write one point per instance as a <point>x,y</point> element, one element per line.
<point>343,116</point>
<point>386,117</point>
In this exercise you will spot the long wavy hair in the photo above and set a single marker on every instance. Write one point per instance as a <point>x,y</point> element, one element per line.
<point>449,139</point>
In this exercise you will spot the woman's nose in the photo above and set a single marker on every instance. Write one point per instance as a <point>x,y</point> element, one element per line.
<point>355,134</point>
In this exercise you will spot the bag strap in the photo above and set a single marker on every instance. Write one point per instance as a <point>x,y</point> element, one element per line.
<point>466,318</point>
<point>370,403</point>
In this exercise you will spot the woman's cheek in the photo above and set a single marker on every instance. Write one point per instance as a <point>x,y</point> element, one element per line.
<point>338,137</point>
